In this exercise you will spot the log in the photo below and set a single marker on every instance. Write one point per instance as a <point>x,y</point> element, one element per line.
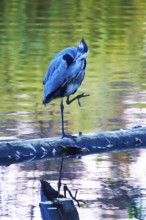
<point>83,144</point>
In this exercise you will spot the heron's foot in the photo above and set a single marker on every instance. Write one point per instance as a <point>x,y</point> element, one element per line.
<point>73,137</point>
<point>81,96</point>
<point>78,97</point>
<point>79,201</point>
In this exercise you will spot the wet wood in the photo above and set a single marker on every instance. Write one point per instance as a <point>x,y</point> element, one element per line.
<point>83,144</point>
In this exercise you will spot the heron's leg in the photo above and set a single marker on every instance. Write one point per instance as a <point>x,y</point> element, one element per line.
<point>78,97</point>
<point>62,117</point>
<point>60,175</point>
<point>62,123</point>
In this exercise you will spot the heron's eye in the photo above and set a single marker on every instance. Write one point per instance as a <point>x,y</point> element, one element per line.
<point>68,58</point>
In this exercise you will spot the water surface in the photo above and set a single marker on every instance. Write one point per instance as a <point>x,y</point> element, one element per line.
<point>31,33</point>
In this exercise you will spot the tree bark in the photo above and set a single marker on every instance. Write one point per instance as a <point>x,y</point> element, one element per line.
<point>83,144</point>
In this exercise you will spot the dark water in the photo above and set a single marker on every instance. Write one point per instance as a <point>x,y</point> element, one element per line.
<point>31,33</point>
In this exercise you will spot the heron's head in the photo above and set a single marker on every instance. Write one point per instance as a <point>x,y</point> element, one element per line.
<point>82,50</point>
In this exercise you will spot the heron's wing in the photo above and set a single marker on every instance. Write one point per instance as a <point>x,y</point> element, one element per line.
<point>57,74</point>
<point>72,51</point>
<point>56,63</point>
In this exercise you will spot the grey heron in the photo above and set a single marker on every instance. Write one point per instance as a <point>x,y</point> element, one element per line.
<point>64,76</point>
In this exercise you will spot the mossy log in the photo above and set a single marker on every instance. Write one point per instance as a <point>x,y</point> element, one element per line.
<point>83,144</point>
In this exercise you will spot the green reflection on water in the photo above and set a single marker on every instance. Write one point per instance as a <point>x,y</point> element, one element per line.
<point>31,33</point>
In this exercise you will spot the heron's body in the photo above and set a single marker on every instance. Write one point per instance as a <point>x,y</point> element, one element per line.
<point>65,73</point>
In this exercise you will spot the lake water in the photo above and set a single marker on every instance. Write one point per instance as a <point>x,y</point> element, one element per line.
<point>31,33</point>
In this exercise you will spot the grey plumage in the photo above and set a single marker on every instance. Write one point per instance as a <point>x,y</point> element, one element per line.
<point>64,76</point>
<point>65,72</point>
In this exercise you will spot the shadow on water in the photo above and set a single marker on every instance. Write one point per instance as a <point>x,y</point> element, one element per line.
<point>104,182</point>
<point>56,206</point>
<point>121,196</point>
<point>115,196</point>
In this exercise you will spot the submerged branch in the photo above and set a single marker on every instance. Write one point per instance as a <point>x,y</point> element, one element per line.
<point>84,144</point>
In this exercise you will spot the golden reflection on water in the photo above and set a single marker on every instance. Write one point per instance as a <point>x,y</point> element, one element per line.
<point>31,33</point>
